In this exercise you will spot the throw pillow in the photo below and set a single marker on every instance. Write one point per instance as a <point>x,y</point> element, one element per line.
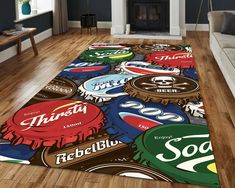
<point>228,26</point>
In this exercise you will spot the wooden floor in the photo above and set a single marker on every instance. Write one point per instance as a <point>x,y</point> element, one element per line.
<point>23,76</point>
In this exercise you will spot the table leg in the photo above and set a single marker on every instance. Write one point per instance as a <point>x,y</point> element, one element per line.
<point>33,44</point>
<point>19,46</point>
<point>90,31</point>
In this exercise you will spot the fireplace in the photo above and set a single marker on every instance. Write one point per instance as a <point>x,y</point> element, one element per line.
<point>150,15</point>
<point>120,20</point>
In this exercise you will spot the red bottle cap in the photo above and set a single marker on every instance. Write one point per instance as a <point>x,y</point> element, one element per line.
<point>53,123</point>
<point>172,59</point>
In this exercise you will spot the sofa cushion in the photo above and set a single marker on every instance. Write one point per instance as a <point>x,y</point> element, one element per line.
<point>226,64</point>
<point>225,41</point>
<point>228,25</point>
<point>230,52</point>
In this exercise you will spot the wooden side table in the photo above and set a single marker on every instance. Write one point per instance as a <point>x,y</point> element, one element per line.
<point>28,32</point>
<point>89,21</point>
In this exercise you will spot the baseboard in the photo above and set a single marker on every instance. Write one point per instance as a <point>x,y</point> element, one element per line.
<point>200,27</point>
<point>153,37</point>
<point>102,25</point>
<point>183,31</point>
<point>12,51</point>
<point>108,25</point>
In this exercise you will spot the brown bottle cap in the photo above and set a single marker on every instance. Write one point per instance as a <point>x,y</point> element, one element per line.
<point>129,170</point>
<point>58,89</point>
<point>149,48</point>
<point>163,88</point>
<point>95,150</point>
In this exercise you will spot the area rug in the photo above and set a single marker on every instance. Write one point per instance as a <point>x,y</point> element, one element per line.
<point>118,109</point>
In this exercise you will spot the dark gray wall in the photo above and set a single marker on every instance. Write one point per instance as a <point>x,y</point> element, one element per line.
<point>41,22</point>
<point>192,7</point>
<point>103,9</point>
<point>7,16</point>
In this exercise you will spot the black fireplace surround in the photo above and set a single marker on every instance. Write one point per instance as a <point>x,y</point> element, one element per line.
<point>150,15</point>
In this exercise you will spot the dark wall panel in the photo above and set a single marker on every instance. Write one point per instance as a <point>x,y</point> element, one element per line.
<point>41,22</point>
<point>100,7</point>
<point>192,7</point>
<point>7,14</point>
<point>103,9</point>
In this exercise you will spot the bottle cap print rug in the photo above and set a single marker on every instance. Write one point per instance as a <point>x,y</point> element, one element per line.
<point>125,110</point>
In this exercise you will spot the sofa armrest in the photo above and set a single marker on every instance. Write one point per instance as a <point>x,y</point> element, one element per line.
<point>216,20</point>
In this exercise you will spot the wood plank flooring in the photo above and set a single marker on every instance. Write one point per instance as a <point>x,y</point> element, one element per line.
<point>23,76</point>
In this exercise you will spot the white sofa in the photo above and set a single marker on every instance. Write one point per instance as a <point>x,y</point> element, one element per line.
<point>223,47</point>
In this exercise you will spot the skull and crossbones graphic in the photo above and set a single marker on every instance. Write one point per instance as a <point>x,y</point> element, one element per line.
<point>164,82</point>
<point>161,47</point>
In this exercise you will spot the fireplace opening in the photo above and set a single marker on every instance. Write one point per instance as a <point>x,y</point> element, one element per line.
<point>149,15</point>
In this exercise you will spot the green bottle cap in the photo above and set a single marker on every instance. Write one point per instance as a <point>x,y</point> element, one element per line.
<point>108,55</point>
<point>181,151</point>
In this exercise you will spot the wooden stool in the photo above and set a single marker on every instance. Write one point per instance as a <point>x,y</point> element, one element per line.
<point>89,29</point>
<point>89,21</point>
<point>28,32</point>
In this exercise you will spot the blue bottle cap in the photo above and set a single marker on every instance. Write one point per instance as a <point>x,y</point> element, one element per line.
<point>128,117</point>
<point>191,73</point>
<point>104,88</point>
<point>79,69</point>
<point>107,45</point>
<point>15,154</point>
<point>143,68</point>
